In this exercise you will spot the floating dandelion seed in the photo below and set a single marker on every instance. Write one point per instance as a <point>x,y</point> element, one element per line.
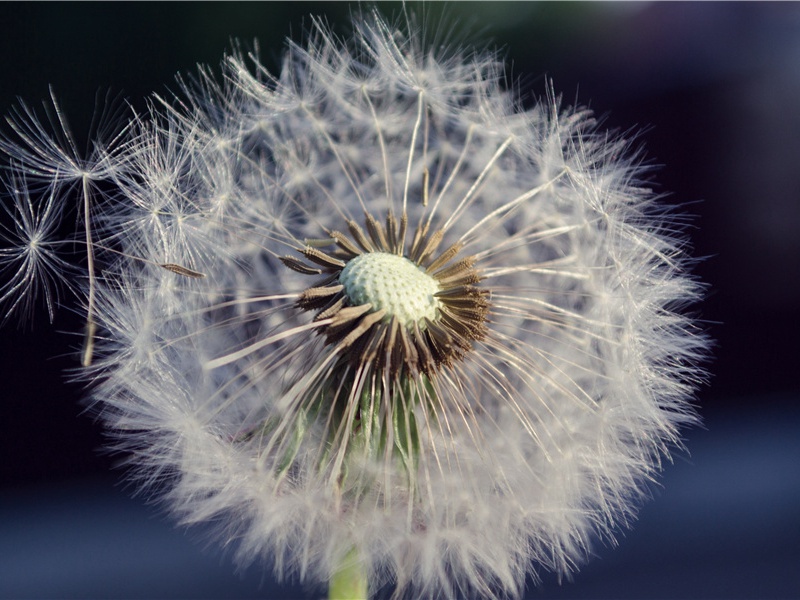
<point>374,319</point>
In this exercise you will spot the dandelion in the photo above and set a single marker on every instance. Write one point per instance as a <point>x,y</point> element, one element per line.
<point>375,320</point>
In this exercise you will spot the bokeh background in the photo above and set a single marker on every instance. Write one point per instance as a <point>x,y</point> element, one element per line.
<point>711,90</point>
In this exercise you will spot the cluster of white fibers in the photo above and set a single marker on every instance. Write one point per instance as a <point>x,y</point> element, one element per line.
<point>491,437</point>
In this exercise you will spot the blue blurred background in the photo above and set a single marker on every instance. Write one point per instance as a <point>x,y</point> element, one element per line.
<point>713,91</point>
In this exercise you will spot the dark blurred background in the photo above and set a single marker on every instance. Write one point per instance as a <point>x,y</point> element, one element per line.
<point>713,91</point>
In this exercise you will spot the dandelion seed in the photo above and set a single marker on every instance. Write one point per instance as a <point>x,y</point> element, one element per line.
<point>181,270</point>
<point>31,257</point>
<point>372,318</point>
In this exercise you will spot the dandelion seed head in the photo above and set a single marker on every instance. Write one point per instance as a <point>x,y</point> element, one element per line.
<point>370,307</point>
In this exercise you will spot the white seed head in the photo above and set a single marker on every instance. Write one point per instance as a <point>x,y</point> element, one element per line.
<point>392,283</point>
<point>240,234</point>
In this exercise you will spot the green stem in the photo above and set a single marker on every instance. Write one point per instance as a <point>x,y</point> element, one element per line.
<point>349,582</point>
<point>368,438</point>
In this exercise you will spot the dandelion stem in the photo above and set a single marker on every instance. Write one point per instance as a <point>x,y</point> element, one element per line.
<point>349,582</point>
